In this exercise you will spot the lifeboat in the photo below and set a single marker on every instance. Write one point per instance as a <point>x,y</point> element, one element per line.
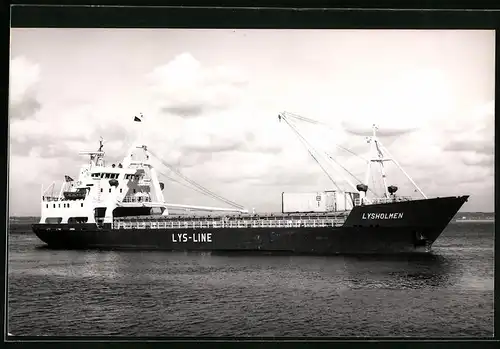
<point>75,195</point>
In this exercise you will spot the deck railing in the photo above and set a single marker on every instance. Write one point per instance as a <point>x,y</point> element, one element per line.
<point>224,223</point>
<point>388,200</point>
<point>374,201</point>
<point>135,199</point>
<point>51,198</point>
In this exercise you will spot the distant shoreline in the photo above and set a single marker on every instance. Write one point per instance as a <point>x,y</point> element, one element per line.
<point>487,220</point>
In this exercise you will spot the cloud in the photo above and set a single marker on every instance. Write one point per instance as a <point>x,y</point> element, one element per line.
<point>183,87</point>
<point>474,159</point>
<point>473,140</point>
<point>400,104</point>
<point>478,146</point>
<point>57,133</point>
<point>363,130</point>
<point>23,84</point>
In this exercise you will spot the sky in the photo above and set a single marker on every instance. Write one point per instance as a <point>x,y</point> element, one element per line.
<point>211,99</point>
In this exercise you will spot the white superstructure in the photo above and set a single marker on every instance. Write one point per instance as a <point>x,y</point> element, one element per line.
<point>104,191</point>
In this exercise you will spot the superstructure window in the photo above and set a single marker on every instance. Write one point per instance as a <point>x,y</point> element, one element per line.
<point>102,190</point>
<point>47,205</point>
<point>134,191</point>
<point>81,204</point>
<point>121,190</point>
<point>54,205</point>
<point>59,205</point>
<point>110,190</point>
<point>67,205</point>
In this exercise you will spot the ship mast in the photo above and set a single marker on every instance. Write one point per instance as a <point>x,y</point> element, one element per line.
<point>379,154</point>
<point>96,158</point>
<point>378,157</point>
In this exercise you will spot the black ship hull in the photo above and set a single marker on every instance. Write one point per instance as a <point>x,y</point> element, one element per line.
<point>396,227</point>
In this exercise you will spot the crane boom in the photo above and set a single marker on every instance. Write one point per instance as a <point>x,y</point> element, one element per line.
<point>314,154</point>
<point>315,122</point>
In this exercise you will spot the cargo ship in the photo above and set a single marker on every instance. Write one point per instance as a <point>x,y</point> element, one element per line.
<point>122,206</point>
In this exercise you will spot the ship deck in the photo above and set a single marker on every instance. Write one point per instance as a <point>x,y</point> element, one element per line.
<point>279,220</point>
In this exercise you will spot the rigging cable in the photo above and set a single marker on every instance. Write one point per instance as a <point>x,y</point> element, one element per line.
<point>345,169</point>
<point>183,184</point>
<point>315,122</point>
<point>198,186</point>
<point>309,147</point>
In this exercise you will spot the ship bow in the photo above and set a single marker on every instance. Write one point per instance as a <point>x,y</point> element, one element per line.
<point>425,219</point>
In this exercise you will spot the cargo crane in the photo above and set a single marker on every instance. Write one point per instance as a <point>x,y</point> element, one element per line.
<point>318,156</point>
<point>378,154</point>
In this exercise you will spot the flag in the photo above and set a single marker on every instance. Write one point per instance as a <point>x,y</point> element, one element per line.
<point>138,118</point>
<point>68,178</point>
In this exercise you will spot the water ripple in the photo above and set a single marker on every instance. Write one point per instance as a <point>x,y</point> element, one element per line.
<point>65,293</point>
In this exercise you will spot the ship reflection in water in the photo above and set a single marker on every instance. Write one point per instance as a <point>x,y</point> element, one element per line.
<point>403,271</point>
<point>398,271</point>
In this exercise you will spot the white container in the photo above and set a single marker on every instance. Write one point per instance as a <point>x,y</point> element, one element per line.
<point>307,202</point>
<point>323,201</point>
